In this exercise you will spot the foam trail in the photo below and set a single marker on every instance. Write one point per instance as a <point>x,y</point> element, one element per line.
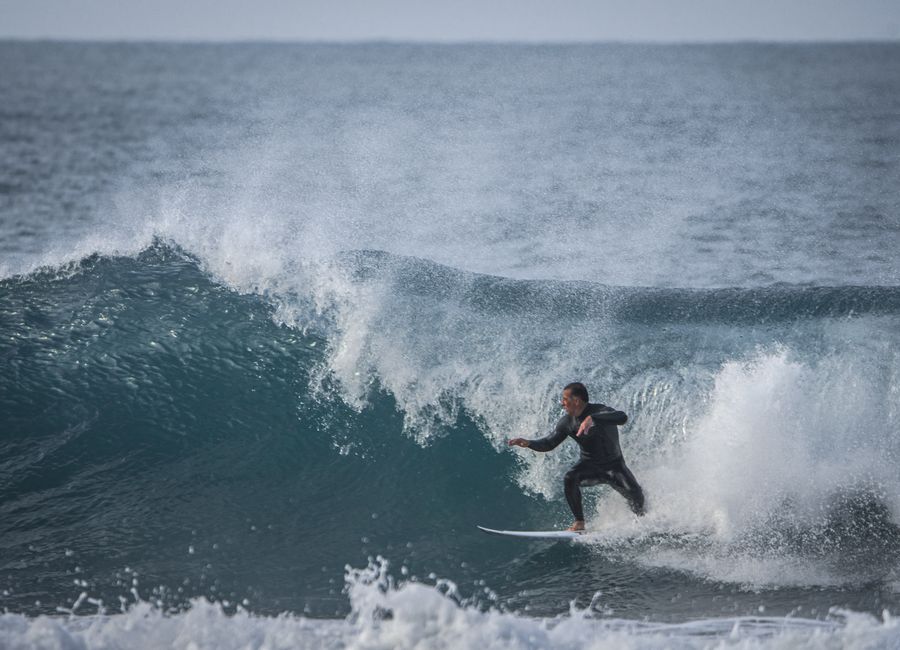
<point>415,615</point>
<point>788,474</point>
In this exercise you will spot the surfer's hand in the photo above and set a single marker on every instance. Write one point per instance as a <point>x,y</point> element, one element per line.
<point>518,442</point>
<point>586,424</point>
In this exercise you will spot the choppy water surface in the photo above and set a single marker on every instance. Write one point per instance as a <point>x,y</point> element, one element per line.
<point>269,313</point>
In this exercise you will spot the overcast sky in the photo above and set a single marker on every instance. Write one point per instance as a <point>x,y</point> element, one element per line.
<point>453,20</point>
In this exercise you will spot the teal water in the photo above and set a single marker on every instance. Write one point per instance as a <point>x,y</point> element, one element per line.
<point>157,421</point>
<point>269,313</point>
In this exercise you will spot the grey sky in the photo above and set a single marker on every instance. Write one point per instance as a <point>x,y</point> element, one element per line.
<point>453,20</point>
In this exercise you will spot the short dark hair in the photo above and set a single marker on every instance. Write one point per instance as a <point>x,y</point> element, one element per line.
<point>577,389</point>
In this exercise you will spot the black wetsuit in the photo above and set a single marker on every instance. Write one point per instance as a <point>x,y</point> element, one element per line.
<point>601,456</point>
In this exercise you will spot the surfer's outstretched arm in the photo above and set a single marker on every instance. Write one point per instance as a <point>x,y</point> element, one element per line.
<point>542,444</point>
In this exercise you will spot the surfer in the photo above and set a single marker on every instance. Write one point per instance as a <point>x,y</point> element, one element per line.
<point>595,428</point>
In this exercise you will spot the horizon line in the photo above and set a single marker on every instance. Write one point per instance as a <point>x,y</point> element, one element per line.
<point>165,40</point>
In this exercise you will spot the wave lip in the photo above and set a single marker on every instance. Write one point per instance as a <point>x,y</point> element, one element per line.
<point>578,299</point>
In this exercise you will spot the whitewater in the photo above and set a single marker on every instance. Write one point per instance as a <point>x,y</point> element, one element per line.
<point>269,313</point>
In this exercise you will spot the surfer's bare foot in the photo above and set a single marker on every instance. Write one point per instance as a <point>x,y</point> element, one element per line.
<point>577,527</point>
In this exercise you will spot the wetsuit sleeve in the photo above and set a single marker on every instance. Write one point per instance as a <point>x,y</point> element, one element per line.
<point>549,442</point>
<point>609,416</point>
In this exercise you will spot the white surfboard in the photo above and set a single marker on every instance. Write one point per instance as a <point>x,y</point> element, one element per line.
<point>535,534</point>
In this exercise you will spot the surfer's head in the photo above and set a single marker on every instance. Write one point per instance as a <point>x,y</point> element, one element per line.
<point>574,398</point>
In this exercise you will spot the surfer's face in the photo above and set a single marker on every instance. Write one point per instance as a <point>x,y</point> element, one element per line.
<point>571,404</point>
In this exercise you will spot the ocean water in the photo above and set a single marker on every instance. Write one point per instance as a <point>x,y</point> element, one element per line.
<point>268,314</point>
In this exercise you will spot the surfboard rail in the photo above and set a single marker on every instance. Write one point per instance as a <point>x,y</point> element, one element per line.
<point>535,534</point>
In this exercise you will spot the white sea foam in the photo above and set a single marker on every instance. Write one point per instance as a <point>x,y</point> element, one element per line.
<point>414,615</point>
<point>783,452</point>
<point>779,431</point>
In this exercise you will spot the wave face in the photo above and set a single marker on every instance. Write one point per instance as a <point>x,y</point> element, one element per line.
<point>244,446</point>
<point>255,334</point>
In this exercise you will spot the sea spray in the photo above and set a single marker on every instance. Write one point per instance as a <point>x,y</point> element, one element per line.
<point>268,310</point>
<point>412,614</point>
<point>771,438</point>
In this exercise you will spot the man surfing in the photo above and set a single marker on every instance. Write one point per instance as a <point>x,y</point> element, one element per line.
<point>595,428</point>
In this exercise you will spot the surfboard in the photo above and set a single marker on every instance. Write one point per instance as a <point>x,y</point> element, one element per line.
<point>535,534</point>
